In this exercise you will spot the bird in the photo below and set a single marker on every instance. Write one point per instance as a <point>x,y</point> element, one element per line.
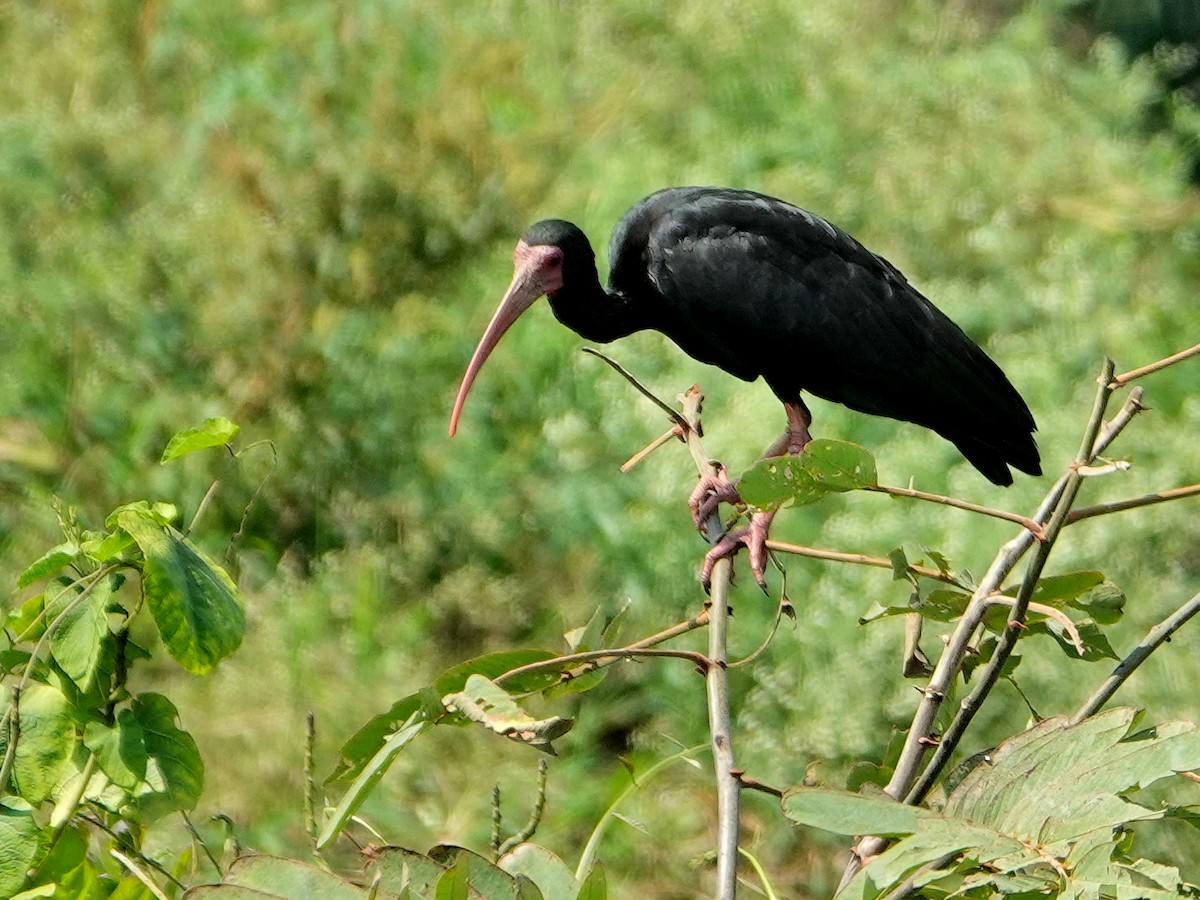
<point>760,287</point>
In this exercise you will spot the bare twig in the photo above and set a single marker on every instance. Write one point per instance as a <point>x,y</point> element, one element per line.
<point>570,659</point>
<point>672,414</point>
<point>1100,509</point>
<point>910,493</point>
<point>663,438</point>
<point>1125,377</point>
<point>1153,639</point>
<point>310,782</point>
<point>138,874</point>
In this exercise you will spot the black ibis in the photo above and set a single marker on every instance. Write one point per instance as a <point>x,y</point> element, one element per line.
<point>760,287</point>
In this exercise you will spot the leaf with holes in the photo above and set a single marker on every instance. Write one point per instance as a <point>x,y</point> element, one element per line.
<point>487,703</point>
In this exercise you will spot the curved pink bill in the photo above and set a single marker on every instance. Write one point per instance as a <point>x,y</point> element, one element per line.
<point>521,294</point>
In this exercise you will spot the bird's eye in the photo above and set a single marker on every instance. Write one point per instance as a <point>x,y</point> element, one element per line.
<point>554,257</point>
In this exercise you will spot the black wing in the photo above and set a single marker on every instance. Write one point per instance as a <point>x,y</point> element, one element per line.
<point>760,287</point>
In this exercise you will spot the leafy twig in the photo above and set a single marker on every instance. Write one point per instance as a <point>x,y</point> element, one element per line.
<point>858,559</point>
<point>990,673</point>
<point>570,659</point>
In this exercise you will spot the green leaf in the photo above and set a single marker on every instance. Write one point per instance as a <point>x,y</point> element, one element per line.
<point>50,563</point>
<point>77,642</point>
<point>194,602</point>
<point>121,750</point>
<point>1105,603</point>
<point>453,883</point>
<point>1052,793</point>
<point>1057,590</point>
<point>174,776</point>
<point>398,868</point>
<point>486,881</point>
<point>779,481</point>
<point>368,777</point>
<point>286,878</point>
<point>18,844</point>
<point>215,432</point>
<point>46,742</point>
<point>823,467</point>
<point>490,705</point>
<point>587,637</point>
<point>594,887</point>
<point>839,465</point>
<point>543,868</point>
<point>845,813</point>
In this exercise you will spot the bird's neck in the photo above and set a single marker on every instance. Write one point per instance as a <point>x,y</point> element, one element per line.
<point>592,312</point>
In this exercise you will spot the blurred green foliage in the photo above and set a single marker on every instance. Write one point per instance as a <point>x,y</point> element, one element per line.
<point>299,216</point>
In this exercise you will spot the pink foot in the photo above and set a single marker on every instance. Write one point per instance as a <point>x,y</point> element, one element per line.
<point>711,492</point>
<point>753,537</point>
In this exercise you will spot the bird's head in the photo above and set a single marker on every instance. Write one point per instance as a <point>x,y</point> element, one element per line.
<point>543,261</point>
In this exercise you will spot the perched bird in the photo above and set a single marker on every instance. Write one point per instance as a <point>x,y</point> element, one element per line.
<point>760,287</point>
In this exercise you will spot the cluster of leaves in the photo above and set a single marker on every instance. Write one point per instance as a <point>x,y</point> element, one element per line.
<point>1045,814</point>
<point>88,761</point>
<point>528,872</point>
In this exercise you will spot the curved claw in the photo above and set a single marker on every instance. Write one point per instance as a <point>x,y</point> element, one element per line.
<point>753,537</point>
<point>711,492</point>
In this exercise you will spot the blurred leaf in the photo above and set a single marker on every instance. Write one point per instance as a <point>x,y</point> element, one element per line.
<point>543,868</point>
<point>215,432</point>
<point>1105,603</point>
<point>899,562</point>
<point>594,886</point>
<point>46,742</point>
<point>120,750</point>
<point>257,876</point>
<point>490,705</point>
<point>367,740</point>
<point>194,602</point>
<point>174,776</point>
<point>368,776</point>
<point>1057,590</point>
<point>18,844</point>
<point>587,637</point>
<point>50,563</point>
<point>453,885</point>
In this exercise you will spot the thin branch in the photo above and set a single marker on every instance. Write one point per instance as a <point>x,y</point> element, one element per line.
<point>1049,612</point>
<point>659,441</point>
<point>1154,638</point>
<point>1100,509</point>
<point>194,832</point>
<point>1132,406</point>
<point>672,414</point>
<point>917,743</point>
<point>717,678</point>
<point>569,659</point>
<point>310,781</point>
<point>990,673</point>
<point>1126,377</point>
<point>910,493</point>
<point>858,559</point>
<point>138,874</point>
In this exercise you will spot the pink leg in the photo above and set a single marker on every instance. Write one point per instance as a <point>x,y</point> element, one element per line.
<point>716,489</point>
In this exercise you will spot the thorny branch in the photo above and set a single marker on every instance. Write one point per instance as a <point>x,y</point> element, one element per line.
<point>1053,515</point>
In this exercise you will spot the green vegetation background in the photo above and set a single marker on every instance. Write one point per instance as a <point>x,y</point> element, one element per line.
<point>301,215</point>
